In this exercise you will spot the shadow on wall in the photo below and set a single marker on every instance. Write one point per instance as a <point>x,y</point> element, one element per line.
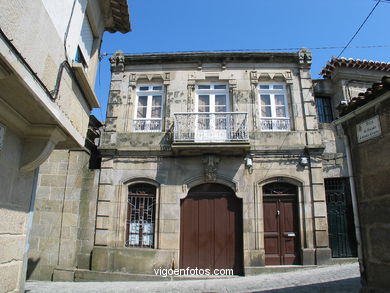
<point>351,285</point>
<point>31,265</point>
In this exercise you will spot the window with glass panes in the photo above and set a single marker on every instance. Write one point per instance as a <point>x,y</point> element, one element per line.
<point>149,108</point>
<point>324,109</point>
<point>273,107</point>
<point>212,98</point>
<point>141,215</point>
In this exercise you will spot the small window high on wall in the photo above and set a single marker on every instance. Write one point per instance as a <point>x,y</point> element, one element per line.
<point>141,216</point>
<point>324,109</point>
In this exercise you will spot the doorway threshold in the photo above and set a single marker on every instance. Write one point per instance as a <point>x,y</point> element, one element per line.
<point>250,271</point>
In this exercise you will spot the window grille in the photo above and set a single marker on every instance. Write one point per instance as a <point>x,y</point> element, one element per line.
<point>141,216</point>
<point>324,109</point>
<point>342,238</point>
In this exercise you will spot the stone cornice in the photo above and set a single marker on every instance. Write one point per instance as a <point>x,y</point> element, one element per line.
<point>213,57</point>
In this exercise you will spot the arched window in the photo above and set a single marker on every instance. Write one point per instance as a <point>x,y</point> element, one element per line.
<point>141,215</point>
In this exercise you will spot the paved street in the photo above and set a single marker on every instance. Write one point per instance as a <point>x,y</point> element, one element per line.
<point>336,278</point>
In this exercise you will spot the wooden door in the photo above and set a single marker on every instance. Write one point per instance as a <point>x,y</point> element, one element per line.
<point>211,229</point>
<point>281,234</point>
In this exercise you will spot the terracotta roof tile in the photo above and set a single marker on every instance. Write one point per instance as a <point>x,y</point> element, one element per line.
<point>353,63</point>
<point>120,15</point>
<point>375,91</point>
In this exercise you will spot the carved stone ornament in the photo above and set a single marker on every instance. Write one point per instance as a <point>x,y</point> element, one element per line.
<point>117,61</point>
<point>210,168</point>
<point>304,56</point>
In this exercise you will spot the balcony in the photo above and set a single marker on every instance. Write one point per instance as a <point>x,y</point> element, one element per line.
<point>275,124</point>
<point>147,125</point>
<point>205,131</point>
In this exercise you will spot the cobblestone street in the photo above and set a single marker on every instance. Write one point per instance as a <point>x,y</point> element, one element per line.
<point>335,278</point>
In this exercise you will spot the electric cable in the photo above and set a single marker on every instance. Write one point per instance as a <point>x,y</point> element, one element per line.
<point>360,27</point>
<point>257,50</point>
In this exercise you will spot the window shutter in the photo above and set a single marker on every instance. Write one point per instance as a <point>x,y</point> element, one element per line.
<point>86,39</point>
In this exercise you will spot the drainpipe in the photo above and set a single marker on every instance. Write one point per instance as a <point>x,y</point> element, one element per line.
<point>354,202</point>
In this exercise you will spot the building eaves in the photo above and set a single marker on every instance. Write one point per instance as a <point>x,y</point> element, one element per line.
<point>212,57</point>
<point>377,90</point>
<point>355,64</point>
<point>120,18</point>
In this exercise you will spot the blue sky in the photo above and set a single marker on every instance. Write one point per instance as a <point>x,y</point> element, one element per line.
<point>206,25</point>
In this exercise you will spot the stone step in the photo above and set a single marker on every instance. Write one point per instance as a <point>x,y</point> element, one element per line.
<point>96,276</point>
<point>80,275</point>
<point>252,271</point>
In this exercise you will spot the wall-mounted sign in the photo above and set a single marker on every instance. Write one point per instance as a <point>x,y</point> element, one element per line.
<point>368,129</point>
<point>2,133</point>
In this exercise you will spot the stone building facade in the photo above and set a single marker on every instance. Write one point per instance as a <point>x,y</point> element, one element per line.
<point>365,122</point>
<point>344,80</point>
<point>63,225</point>
<point>48,60</point>
<point>210,160</point>
<point>200,150</point>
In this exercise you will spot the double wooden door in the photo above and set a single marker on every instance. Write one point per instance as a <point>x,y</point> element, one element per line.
<point>281,229</point>
<point>211,229</point>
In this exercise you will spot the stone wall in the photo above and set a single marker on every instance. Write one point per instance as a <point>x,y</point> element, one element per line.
<point>15,199</point>
<point>174,177</point>
<point>64,216</point>
<point>372,170</point>
<point>130,157</point>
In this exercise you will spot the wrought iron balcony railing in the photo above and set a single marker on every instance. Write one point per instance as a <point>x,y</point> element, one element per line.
<point>275,124</point>
<point>147,125</point>
<point>211,127</point>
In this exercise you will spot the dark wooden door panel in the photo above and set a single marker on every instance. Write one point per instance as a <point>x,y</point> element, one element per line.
<point>221,233</point>
<point>190,241</point>
<point>289,230</point>
<point>270,216</point>
<point>281,237</point>
<point>206,222</point>
<point>212,222</point>
<point>341,226</point>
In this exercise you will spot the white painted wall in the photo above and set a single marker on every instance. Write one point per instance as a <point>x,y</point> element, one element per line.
<point>59,13</point>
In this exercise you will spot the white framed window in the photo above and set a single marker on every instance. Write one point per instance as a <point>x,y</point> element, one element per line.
<point>212,105</point>
<point>274,114</point>
<point>212,97</point>
<point>149,108</point>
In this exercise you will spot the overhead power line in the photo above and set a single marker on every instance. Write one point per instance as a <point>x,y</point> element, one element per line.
<point>259,50</point>
<point>360,27</point>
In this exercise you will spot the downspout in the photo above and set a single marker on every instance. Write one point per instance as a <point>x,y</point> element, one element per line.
<point>67,29</point>
<point>354,202</point>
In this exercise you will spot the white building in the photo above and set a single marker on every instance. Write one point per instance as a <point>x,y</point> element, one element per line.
<point>49,52</point>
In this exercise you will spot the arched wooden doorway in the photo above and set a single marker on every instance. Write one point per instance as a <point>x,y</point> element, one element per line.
<point>281,226</point>
<point>211,229</point>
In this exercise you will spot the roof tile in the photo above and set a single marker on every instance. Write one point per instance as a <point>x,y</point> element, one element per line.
<point>353,63</point>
